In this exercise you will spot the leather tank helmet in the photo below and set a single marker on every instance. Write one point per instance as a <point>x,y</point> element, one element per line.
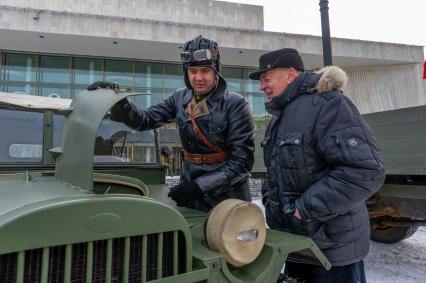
<point>199,51</point>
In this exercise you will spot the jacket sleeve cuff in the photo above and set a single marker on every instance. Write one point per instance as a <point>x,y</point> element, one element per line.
<point>302,210</point>
<point>212,181</point>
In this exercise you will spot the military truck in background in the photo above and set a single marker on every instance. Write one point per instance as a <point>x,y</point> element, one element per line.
<point>69,216</point>
<point>399,208</point>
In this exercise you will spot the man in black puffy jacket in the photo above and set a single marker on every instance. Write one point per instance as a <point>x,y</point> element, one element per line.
<point>322,162</point>
<point>215,126</point>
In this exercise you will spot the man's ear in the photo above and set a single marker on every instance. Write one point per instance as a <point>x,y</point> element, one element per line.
<point>292,74</point>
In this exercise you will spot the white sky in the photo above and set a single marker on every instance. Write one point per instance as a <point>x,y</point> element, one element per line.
<point>375,20</point>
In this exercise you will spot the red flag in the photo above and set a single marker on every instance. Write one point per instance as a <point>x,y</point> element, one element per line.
<point>424,70</point>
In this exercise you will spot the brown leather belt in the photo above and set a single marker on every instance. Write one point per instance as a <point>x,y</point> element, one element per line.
<point>206,158</point>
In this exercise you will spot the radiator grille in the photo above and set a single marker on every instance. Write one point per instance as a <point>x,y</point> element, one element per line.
<point>56,264</point>
<point>32,268</point>
<point>135,266</point>
<point>118,260</point>
<point>8,268</point>
<point>152,257</point>
<point>133,259</point>
<point>99,261</point>
<point>79,262</point>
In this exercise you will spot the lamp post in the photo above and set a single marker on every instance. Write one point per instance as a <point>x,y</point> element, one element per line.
<point>326,40</point>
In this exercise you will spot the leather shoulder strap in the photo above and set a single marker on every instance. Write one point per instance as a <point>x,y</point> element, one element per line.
<point>198,131</point>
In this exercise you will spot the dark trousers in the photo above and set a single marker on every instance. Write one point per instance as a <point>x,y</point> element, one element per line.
<point>307,273</point>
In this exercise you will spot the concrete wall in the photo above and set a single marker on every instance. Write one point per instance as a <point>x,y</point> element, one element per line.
<point>382,76</point>
<point>386,88</point>
<point>204,12</point>
<point>86,31</point>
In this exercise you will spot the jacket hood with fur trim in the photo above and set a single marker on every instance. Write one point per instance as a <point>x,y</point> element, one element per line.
<point>332,78</point>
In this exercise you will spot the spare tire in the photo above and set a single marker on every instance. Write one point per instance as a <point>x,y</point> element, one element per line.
<point>237,230</point>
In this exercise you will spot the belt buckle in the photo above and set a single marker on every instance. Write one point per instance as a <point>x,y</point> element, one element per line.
<point>196,158</point>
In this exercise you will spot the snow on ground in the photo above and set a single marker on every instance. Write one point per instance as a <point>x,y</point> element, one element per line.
<point>404,262</point>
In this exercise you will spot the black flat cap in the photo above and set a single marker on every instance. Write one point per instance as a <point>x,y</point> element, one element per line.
<point>282,58</point>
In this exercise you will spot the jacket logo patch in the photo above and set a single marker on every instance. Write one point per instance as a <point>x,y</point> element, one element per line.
<point>352,142</point>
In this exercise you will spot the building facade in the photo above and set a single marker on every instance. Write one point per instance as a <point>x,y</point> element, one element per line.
<point>65,75</point>
<point>57,48</point>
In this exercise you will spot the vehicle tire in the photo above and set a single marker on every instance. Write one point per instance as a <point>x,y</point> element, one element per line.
<point>392,234</point>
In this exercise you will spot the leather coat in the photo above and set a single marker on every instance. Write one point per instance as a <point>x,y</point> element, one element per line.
<point>229,126</point>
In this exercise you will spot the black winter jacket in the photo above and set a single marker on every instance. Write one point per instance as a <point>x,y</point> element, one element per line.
<point>323,159</point>
<point>229,126</point>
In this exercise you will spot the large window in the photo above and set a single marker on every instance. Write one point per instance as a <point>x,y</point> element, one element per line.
<point>173,78</point>
<point>67,76</point>
<point>55,69</point>
<point>55,76</point>
<point>233,78</point>
<point>19,73</point>
<point>119,71</point>
<point>18,88</point>
<point>148,83</point>
<point>86,71</point>
<point>148,75</point>
<point>19,67</point>
<point>255,97</point>
<point>148,97</point>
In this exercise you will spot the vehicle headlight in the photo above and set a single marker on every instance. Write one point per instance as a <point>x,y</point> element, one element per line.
<point>237,230</point>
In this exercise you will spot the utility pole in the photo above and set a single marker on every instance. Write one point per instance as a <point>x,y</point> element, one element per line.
<point>326,40</point>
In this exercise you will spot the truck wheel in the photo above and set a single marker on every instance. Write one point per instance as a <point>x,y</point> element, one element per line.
<point>392,234</point>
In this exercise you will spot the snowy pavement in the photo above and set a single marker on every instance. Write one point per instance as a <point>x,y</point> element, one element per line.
<point>404,262</point>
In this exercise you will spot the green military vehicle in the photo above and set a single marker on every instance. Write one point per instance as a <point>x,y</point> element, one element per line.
<point>399,208</point>
<point>69,216</point>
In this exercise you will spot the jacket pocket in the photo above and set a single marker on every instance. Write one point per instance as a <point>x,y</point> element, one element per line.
<point>306,227</point>
<point>290,151</point>
<point>273,214</point>
<point>322,238</point>
<point>217,123</point>
<point>354,145</point>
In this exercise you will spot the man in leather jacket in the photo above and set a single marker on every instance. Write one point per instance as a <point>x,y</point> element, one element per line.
<point>215,125</point>
<point>322,163</point>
